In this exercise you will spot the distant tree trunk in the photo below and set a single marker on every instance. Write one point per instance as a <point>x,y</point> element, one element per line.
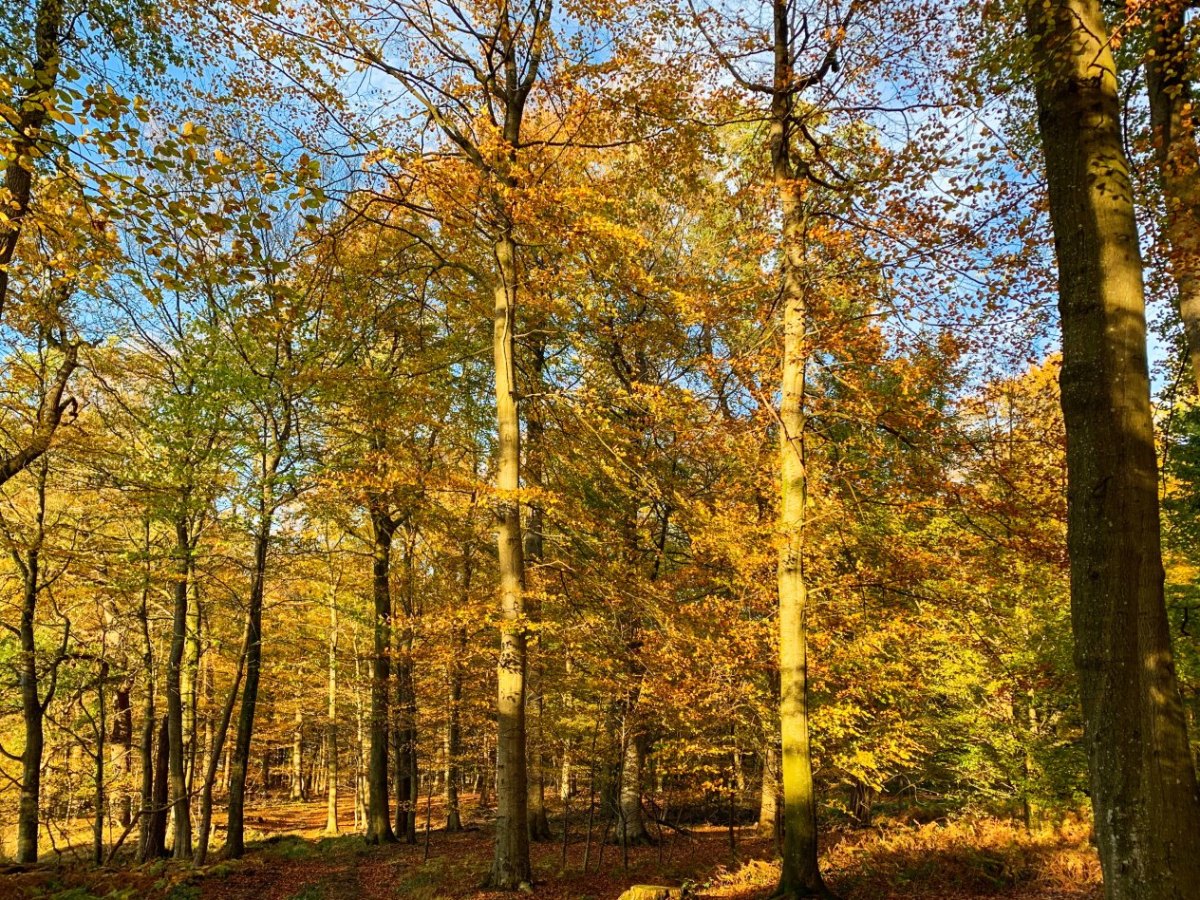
<point>190,681</point>
<point>454,714</point>
<point>297,782</point>
<point>408,786</point>
<point>122,738</point>
<point>331,736</point>
<point>539,824</point>
<point>510,866</point>
<point>146,848</point>
<point>861,800</point>
<point>210,700</point>
<point>239,760</point>
<point>768,808</point>
<point>98,797</point>
<point>157,836</point>
<point>1143,784</point>
<point>631,829</point>
<point>33,709</point>
<point>1173,119</point>
<point>214,755</point>
<point>407,775</point>
<point>180,801</point>
<point>379,826</point>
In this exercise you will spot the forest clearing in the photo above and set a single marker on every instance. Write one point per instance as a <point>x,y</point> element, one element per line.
<point>715,448</point>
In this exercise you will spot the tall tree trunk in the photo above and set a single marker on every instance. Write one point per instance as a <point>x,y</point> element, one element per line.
<point>407,784</point>
<point>454,714</point>
<point>33,712</point>
<point>239,760</point>
<point>539,824</point>
<point>98,797</point>
<point>510,866</point>
<point>331,735</point>
<point>149,714</point>
<point>801,874</point>
<point>1173,119</point>
<point>379,826</point>
<point>190,680</point>
<point>180,801</point>
<point>1143,784</point>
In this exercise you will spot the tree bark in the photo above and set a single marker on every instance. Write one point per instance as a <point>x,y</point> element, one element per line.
<point>801,874</point>
<point>331,735</point>
<point>454,714</point>
<point>379,826</point>
<point>159,807</point>
<point>146,848</point>
<point>239,758</point>
<point>180,801</point>
<point>1143,784</point>
<point>407,785</point>
<point>33,712</point>
<point>510,866</point>
<point>768,808</point>
<point>212,758</point>
<point>297,782</point>
<point>631,829</point>
<point>539,824</point>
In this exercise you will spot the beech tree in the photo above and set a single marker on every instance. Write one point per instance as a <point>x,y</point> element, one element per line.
<point>1143,780</point>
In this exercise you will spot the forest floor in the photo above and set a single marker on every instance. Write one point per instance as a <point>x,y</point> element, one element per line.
<point>290,860</point>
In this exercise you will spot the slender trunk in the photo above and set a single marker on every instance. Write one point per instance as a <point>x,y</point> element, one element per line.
<point>99,795</point>
<point>33,715</point>
<point>1173,120</point>
<point>331,735</point>
<point>539,824</point>
<point>190,680</point>
<point>510,867</point>
<point>122,737</point>
<point>801,874</point>
<point>214,755</point>
<point>407,783</point>
<point>159,807</point>
<point>180,801</point>
<point>239,759</point>
<point>210,700</point>
<point>454,714</point>
<point>360,807</point>
<point>379,826</point>
<point>1143,784</point>
<point>297,785</point>
<point>768,809</point>
<point>149,714</point>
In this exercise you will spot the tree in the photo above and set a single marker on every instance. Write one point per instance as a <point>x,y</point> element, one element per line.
<point>1147,812</point>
